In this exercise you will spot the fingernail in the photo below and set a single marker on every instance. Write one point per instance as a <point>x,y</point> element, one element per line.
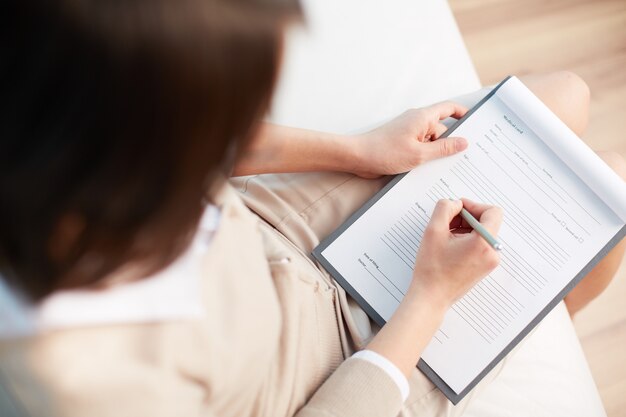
<point>460,144</point>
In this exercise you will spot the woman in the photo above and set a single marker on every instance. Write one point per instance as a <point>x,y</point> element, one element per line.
<point>141,284</point>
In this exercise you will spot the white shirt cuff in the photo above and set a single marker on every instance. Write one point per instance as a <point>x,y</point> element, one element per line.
<point>386,365</point>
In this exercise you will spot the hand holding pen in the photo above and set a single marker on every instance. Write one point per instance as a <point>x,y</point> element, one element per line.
<point>455,252</point>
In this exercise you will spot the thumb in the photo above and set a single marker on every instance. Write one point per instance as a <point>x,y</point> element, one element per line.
<point>443,147</point>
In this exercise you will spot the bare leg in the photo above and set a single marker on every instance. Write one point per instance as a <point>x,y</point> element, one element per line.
<point>599,278</point>
<point>568,96</point>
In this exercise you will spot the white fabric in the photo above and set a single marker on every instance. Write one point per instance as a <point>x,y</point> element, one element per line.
<point>15,318</point>
<point>172,294</point>
<point>390,369</point>
<point>546,376</point>
<point>359,62</point>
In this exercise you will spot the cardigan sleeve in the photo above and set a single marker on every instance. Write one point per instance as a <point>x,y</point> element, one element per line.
<point>386,365</point>
<point>357,388</point>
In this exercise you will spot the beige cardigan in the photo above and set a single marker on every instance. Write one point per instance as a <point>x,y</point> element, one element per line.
<point>272,343</point>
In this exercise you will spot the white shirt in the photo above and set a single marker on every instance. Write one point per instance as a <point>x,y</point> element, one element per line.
<point>171,294</point>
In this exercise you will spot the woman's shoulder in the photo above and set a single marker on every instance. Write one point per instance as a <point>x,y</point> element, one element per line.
<point>157,367</point>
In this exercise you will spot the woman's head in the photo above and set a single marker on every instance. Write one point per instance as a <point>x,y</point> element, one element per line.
<point>116,118</point>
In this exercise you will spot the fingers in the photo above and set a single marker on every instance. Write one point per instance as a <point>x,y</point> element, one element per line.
<point>475,208</point>
<point>489,216</point>
<point>448,109</point>
<point>442,147</point>
<point>492,219</point>
<point>440,129</point>
<point>445,211</point>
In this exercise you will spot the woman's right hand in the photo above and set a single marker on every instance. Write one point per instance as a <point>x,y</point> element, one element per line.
<point>452,257</point>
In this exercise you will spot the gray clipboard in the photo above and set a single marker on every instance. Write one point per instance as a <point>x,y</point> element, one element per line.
<point>422,365</point>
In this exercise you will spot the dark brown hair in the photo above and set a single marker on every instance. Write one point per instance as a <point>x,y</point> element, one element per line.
<point>116,118</point>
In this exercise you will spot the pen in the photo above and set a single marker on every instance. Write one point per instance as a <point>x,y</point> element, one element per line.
<point>479,228</point>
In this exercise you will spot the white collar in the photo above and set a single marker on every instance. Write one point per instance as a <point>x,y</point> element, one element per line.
<point>172,294</point>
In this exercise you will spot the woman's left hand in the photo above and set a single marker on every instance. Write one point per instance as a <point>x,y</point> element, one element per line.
<point>406,141</point>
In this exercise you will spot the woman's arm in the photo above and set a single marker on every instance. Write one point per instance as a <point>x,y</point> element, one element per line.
<point>395,147</point>
<point>448,264</point>
<point>285,149</point>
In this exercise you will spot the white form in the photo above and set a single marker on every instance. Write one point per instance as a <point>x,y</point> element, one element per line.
<point>559,212</point>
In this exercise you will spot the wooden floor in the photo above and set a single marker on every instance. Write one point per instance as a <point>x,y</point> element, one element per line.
<point>587,37</point>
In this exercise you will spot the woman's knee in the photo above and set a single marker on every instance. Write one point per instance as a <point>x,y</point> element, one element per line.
<point>615,161</point>
<point>566,94</point>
